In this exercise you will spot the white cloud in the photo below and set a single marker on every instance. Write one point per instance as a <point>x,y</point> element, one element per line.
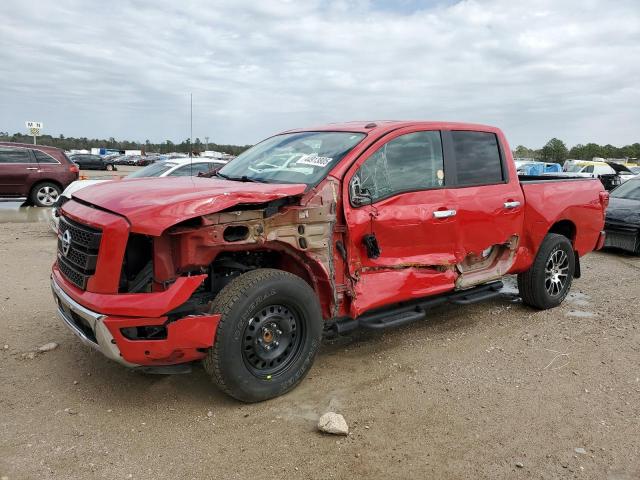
<point>125,68</point>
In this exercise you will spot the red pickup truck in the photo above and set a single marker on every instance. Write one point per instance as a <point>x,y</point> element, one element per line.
<point>309,232</point>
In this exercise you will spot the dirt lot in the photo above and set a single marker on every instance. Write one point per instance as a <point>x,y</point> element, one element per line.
<point>493,390</point>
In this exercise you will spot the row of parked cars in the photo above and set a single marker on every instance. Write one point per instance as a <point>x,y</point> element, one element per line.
<point>40,173</point>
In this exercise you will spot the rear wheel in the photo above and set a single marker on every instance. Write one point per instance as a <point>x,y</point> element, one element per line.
<point>547,283</point>
<point>110,167</point>
<point>268,336</point>
<point>44,194</point>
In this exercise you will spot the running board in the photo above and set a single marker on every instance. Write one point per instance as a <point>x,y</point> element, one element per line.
<point>406,313</point>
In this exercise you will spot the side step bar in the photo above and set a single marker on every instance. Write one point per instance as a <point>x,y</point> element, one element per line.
<point>406,313</point>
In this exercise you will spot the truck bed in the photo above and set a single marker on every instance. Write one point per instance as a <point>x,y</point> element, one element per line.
<point>550,199</point>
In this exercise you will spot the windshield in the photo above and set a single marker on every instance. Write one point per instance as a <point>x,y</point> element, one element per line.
<point>629,190</point>
<point>303,157</point>
<point>153,170</point>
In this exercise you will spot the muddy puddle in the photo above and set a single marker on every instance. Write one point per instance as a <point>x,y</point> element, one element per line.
<point>18,212</point>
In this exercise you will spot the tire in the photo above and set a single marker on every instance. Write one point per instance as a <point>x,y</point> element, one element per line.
<point>546,284</point>
<point>268,335</point>
<point>109,168</point>
<point>44,194</point>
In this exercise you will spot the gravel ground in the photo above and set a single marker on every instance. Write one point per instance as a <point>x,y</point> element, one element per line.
<point>493,390</point>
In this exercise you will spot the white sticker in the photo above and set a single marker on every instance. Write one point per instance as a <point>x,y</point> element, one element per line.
<point>314,160</point>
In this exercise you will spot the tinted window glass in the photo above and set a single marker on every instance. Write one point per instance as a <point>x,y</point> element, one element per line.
<point>477,158</point>
<point>42,157</point>
<point>588,169</point>
<point>409,162</point>
<point>14,155</point>
<point>189,170</point>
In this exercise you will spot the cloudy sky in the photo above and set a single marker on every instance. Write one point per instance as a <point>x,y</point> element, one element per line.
<point>125,68</point>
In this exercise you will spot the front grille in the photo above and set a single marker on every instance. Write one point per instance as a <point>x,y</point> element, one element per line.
<point>82,243</point>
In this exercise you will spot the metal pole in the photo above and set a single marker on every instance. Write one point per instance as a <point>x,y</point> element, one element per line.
<point>34,140</point>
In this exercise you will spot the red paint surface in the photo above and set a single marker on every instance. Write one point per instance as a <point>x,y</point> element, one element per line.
<point>184,337</point>
<point>154,204</point>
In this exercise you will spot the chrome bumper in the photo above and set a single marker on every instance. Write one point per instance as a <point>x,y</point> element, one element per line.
<point>86,325</point>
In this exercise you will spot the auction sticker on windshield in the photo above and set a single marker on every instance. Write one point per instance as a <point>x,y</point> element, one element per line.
<point>314,160</point>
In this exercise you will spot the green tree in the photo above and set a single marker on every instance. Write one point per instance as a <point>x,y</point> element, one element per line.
<point>555,151</point>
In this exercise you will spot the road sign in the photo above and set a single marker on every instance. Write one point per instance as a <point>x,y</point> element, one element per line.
<point>34,124</point>
<point>35,132</point>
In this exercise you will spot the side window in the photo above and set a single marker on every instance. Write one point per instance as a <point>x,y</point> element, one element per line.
<point>14,155</point>
<point>187,170</point>
<point>477,158</point>
<point>588,169</point>
<point>42,157</point>
<point>406,163</point>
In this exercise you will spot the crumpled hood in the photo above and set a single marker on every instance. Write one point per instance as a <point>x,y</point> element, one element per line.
<point>154,204</point>
<point>624,210</point>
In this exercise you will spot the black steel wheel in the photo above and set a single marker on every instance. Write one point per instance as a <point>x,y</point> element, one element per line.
<point>272,340</point>
<point>268,335</point>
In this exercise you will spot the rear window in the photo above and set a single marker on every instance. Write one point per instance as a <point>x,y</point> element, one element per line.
<point>42,157</point>
<point>14,155</point>
<point>477,156</point>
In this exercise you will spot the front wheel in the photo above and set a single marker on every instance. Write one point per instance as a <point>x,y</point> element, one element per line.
<point>268,336</point>
<point>547,283</point>
<point>109,167</point>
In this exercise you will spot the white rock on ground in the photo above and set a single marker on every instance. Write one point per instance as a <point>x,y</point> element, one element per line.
<point>47,347</point>
<point>333,423</point>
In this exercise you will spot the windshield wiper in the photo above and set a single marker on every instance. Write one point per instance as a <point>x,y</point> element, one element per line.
<point>243,178</point>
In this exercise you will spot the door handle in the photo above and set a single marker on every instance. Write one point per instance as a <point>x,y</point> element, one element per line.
<point>32,168</point>
<point>444,213</point>
<point>510,205</point>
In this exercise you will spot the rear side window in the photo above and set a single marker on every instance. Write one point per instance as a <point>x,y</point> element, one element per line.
<point>42,157</point>
<point>189,170</point>
<point>406,163</point>
<point>477,158</point>
<point>14,155</point>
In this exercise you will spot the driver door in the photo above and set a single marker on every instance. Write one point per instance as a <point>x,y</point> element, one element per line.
<point>398,200</point>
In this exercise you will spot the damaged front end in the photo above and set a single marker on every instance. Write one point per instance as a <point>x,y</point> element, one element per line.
<point>149,299</point>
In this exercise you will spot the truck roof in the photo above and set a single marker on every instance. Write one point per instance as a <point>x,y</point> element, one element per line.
<point>383,126</point>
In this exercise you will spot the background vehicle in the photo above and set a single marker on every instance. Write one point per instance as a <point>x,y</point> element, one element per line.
<point>36,172</point>
<point>622,222</point>
<point>611,174</point>
<point>537,168</point>
<point>181,167</point>
<point>321,230</point>
<point>87,161</point>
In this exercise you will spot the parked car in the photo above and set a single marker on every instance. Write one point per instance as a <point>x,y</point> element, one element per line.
<point>171,168</point>
<point>36,172</point>
<point>622,222</point>
<point>309,232</point>
<point>87,161</point>
<point>611,174</point>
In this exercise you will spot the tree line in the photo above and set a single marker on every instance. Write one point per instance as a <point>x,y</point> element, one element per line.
<point>84,143</point>
<point>556,151</point>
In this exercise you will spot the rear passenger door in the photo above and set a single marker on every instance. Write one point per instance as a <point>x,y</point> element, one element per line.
<point>490,203</point>
<point>408,212</point>
<point>16,171</point>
